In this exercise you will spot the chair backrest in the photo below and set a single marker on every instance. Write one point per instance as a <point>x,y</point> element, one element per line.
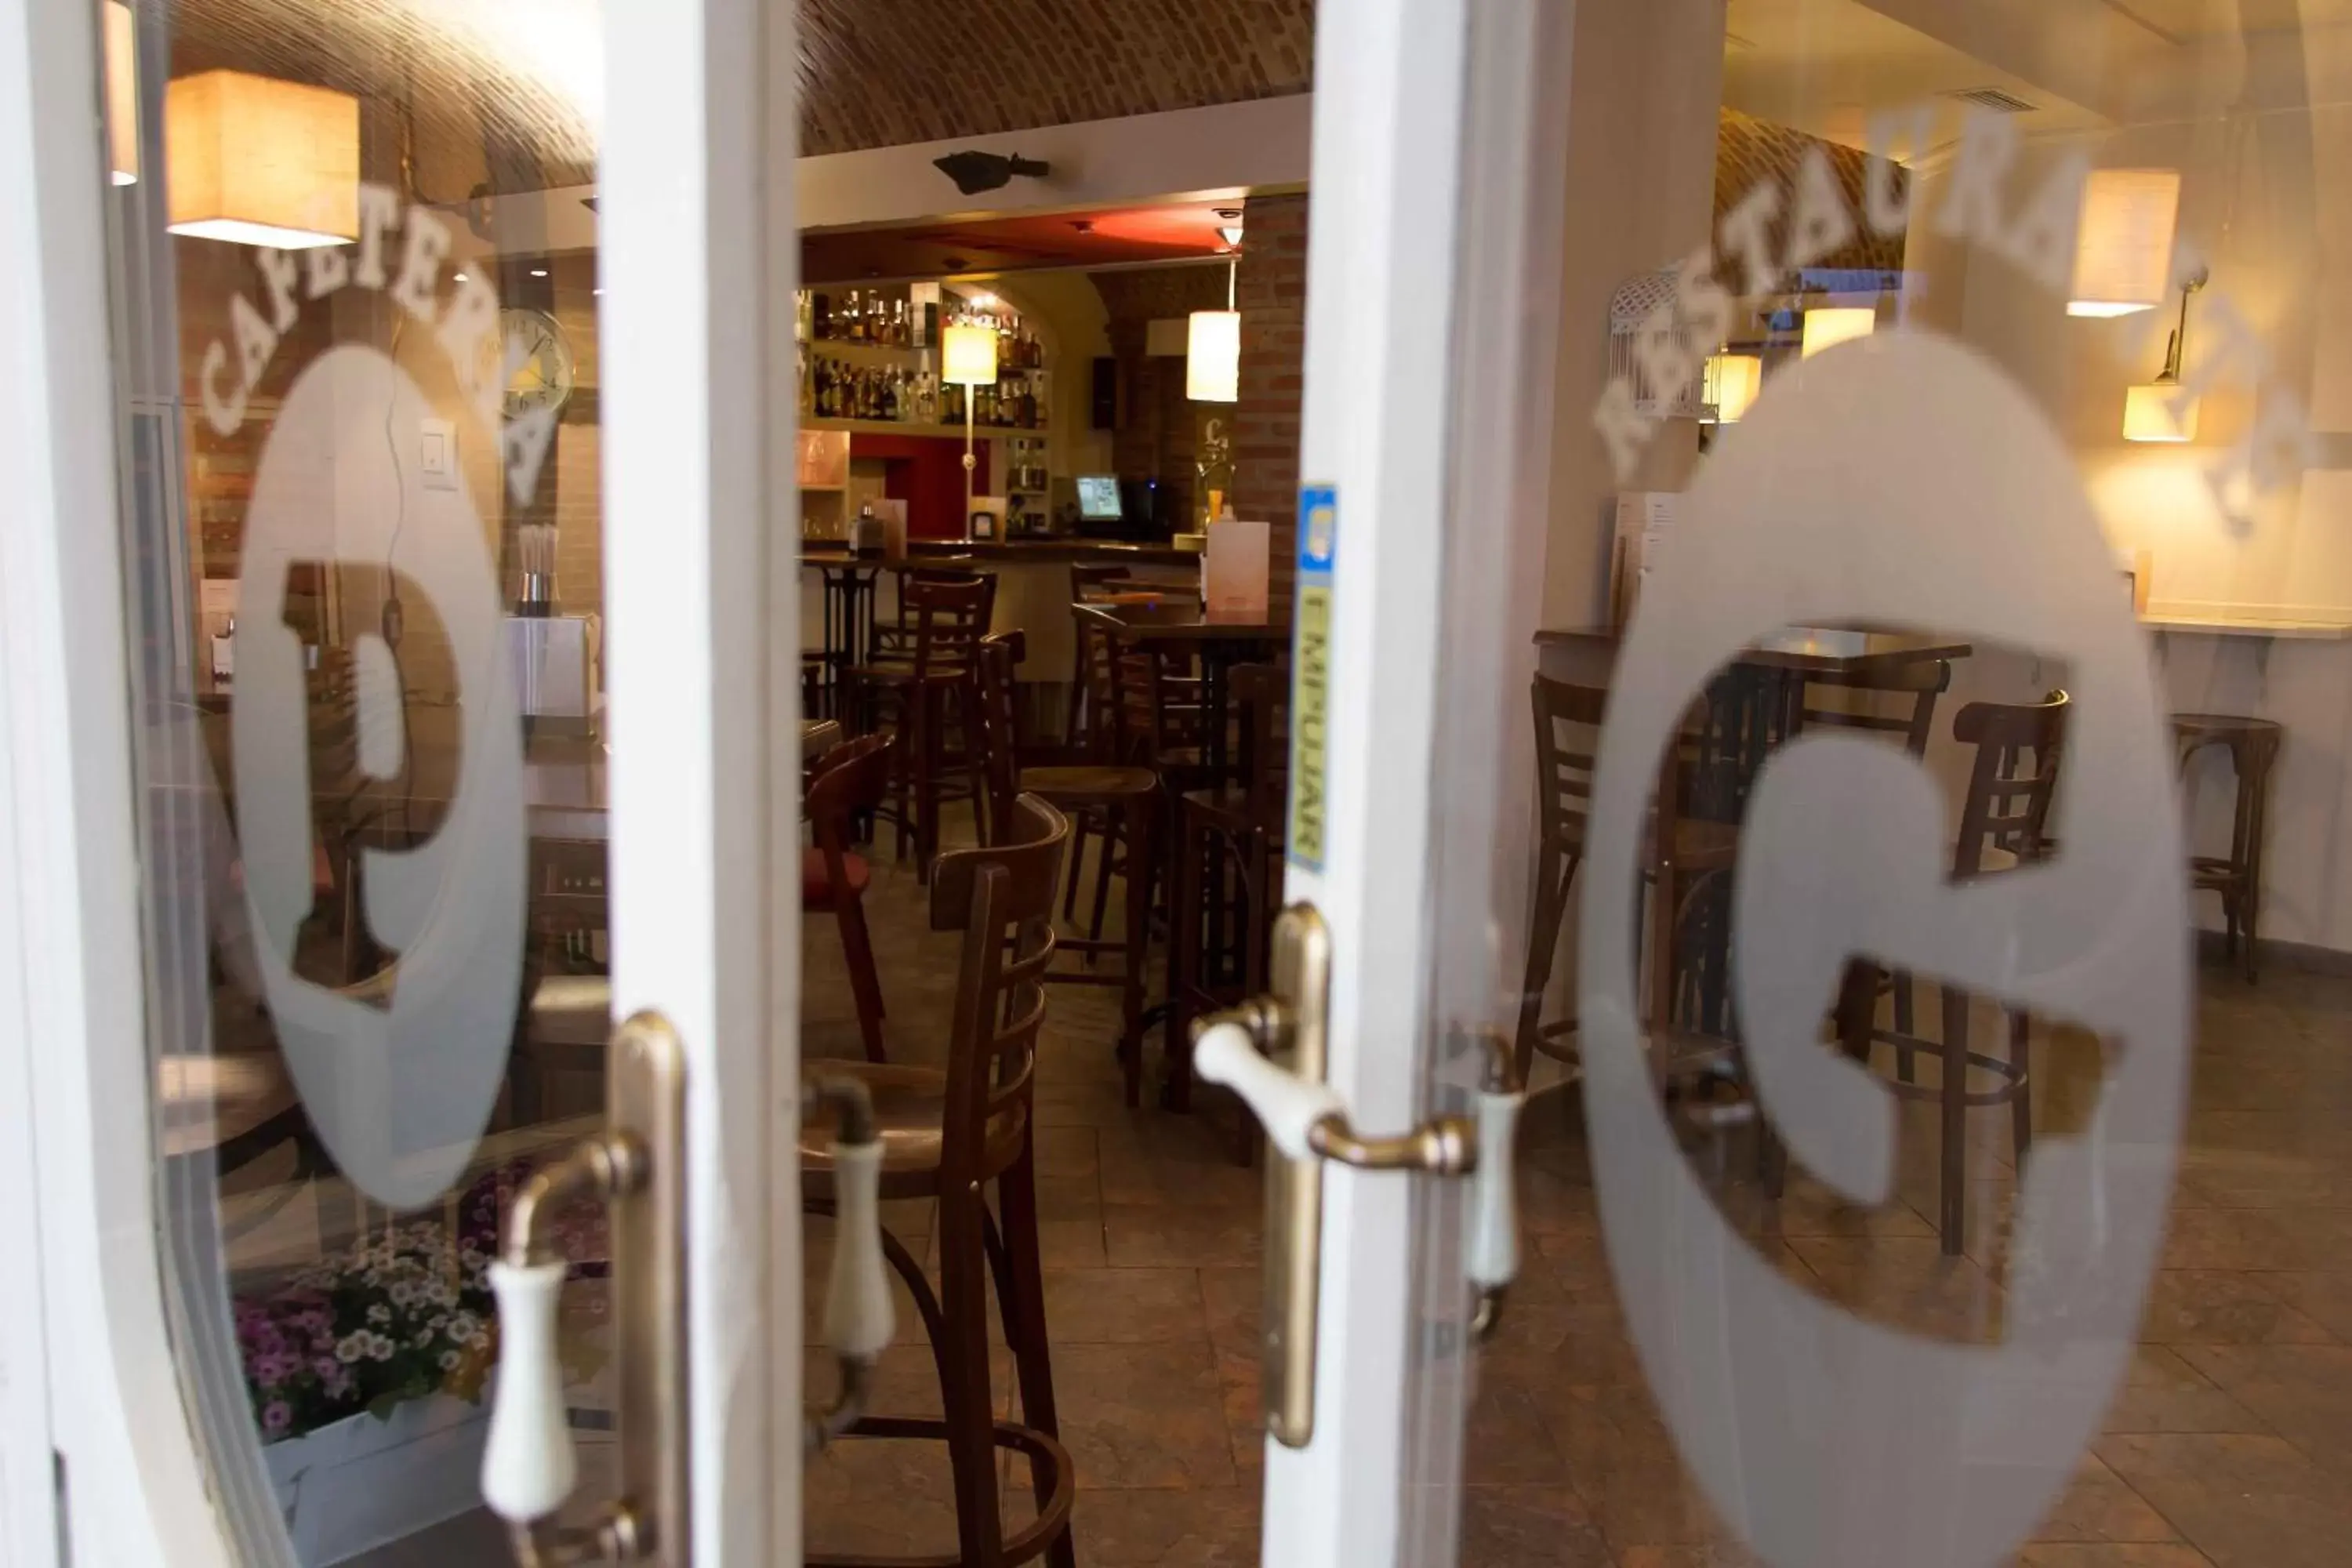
<point>1155,700</point>
<point>1568,737</point>
<point>950,615</point>
<point>1002,898</point>
<point>847,781</point>
<point>1923,682</point>
<point>2012,781</point>
<point>1000,736</point>
<point>1261,694</point>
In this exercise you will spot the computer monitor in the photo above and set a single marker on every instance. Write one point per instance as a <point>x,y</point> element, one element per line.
<point>1098,499</point>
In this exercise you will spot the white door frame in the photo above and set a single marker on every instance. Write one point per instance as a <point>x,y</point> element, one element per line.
<point>699,91</point>
<point>1380,259</point>
<point>132,1481</point>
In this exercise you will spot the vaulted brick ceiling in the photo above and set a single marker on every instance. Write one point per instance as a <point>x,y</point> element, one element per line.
<point>878,73</point>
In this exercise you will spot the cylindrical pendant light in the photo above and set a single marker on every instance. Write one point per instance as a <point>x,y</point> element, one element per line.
<point>1212,349</point>
<point>121,94</point>
<point>1213,356</point>
<point>967,355</point>
<point>255,160</point>
<point>1732,383</point>
<point>1826,326</point>
<point>2123,250</point>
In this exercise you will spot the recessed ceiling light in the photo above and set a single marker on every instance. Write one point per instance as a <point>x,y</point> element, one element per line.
<point>539,272</point>
<point>459,276</point>
<point>595,291</point>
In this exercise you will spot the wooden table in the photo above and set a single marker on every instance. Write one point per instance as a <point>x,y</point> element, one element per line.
<point>1755,705</point>
<point>1220,641</point>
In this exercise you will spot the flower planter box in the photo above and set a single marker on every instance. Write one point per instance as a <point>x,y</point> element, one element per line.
<point>361,1482</point>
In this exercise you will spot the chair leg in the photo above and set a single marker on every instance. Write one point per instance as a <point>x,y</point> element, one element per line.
<point>929,760</point>
<point>1906,1022</point>
<point>1102,881</point>
<point>1081,824</point>
<point>1143,851</point>
<point>2021,1065</point>
<point>864,984</point>
<point>964,1395</point>
<point>1183,966</point>
<point>1022,1292</point>
<point>1543,941</point>
<point>1952,1191</point>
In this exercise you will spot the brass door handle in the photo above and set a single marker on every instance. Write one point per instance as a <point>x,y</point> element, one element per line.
<point>637,1168</point>
<point>1271,1051</point>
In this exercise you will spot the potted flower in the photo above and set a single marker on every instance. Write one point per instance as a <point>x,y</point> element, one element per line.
<point>366,1372</point>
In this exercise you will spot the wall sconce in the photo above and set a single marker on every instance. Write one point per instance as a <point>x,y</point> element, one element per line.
<point>2123,251</point>
<point>1213,349</point>
<point>255,160</point>
<point>1733,382</point>
<point>2156,410</point>
<point>1826,326</point>
<point>121,94</point>
<point>968,358</point>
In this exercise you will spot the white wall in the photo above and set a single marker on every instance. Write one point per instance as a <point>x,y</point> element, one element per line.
<point>2268,199</point>
<point>1643,106</point>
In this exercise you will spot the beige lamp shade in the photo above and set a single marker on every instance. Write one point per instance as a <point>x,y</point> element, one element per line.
<point>1826,326</point>
<point>1213,356</point>
<point>2123,251</point>
<point>1732,383</point>
<point>967,355</point>
<point>2150,414</point>
<point>255,161</point>
<point>121,94</point>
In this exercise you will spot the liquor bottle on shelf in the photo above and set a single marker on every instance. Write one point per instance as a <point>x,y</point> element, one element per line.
<point>820,316</point>
<point>890,397</point>
<point>927,397</point>
<point>1028,403</point>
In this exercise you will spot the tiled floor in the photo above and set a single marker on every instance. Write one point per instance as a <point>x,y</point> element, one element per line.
<point>2230,1443</point>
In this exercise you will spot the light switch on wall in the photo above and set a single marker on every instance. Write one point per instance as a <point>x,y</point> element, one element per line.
<point>436,449</point>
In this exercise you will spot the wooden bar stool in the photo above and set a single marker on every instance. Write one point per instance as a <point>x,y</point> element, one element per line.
<point>927,690</point>
<point>847,784</point>
<point>947,1136</point>
<point>1227,882</point>
<point>1125,799</point>
<point>1678,860</point>
<point>2253,747</point>
<point>2005,822</point>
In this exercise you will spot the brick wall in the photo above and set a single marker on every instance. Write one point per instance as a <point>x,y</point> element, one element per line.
<point>880,73</point>
<point>1158,431</point>
<point>1272,295</point>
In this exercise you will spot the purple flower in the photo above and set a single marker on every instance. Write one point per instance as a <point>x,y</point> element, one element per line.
<point>275,1417</point>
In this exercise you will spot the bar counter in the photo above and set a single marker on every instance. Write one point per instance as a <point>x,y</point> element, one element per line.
<point>1024,551</point>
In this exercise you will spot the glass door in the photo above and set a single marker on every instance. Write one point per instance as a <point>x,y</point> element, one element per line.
<point>438,583</point>
<point>1837,668</point>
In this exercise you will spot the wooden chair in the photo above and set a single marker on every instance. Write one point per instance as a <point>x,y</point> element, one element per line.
<point>933,684</point>
<point>1675,862</point>
<point>1125,799</point>
<point>946,1136</point>
<point>846,784</point>
<point>1923,683</point>
<point>2005,822</point>
<point>2253,747</point>
<point>1227,880</point>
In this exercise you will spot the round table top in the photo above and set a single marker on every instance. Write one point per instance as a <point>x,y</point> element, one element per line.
<point>203,1103</point>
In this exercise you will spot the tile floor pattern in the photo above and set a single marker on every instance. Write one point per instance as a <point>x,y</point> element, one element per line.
<point>2230,1445</point>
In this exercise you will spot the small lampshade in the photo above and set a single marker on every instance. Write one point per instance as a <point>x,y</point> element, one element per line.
<point>1826,326</point>
<point>967,355</point>
<point>1213,356</point>
<point>2122,251</point>
<point>255,160</point>
<point>1732,383</point>
<point>2150,414</point>
<point>121,94</point>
